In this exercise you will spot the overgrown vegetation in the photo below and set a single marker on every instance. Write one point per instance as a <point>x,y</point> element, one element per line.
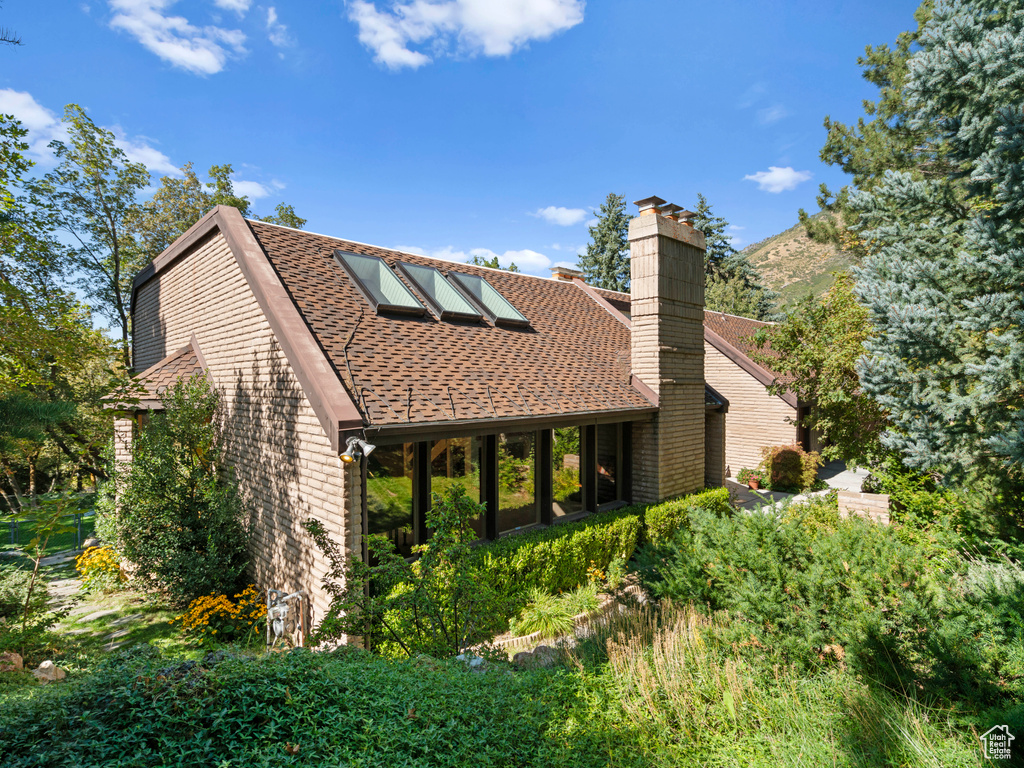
<point>170,512</point>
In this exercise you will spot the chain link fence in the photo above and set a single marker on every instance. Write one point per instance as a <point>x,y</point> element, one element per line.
<point>78,527</point>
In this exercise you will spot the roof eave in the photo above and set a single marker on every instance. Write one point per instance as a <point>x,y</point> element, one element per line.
<point>398,433</point>
<point>760,373</point>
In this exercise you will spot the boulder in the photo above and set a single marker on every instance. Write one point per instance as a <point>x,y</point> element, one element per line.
<point>92,541</point>
<point>11,662</point>
<point>48,672</point>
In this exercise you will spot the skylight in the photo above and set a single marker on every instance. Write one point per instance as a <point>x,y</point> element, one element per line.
<point>447,303</point>
<point>493,303</point>
<point>378,284</point>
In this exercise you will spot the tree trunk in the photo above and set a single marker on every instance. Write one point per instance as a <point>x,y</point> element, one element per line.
<point>12,481</point>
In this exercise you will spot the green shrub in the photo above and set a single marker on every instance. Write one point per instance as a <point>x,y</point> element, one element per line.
<point>556,559</point>
<point>175,517</point>
<point>662,520</point>
<point>821,591</point>
<point>347,708</point>
<point>790,467</point>
<point>434,606</point>
<point>552,615</point>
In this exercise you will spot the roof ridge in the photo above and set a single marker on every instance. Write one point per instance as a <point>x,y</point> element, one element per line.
<point>407,253</point>
<point>740,317</point>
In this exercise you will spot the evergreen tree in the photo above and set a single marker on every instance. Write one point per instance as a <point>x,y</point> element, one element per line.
<point>887,139</point>
<point>606,262</point>
<point>732,284</point>
<point>946,265</point>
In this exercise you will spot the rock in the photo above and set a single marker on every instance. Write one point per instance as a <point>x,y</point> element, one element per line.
<point>542,657</point>
<point>48,672</point>
<point>11,662</point>
<point>92,541</point>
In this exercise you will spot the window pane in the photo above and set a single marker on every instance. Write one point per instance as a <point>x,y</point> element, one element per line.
<point>458,461</point>
<point>565,472</point>
<point>389,494</point>
<point>378,279</point>
<point>433,285</point>
<point>517,505</point>
<point>607,463</point>
<point>495,304</point>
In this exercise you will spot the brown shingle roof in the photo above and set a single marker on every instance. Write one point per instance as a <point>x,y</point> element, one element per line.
<point>738,332</point>
<point>157,378</point>
<point>573,359</point>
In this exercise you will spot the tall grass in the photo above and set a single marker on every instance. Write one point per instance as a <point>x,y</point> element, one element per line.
<point>700,700</point>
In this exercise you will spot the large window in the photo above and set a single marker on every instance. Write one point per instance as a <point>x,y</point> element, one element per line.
<point>567,490</point>
<point>522,478</point>
<point>389,494</point>
<point>609,449</point>
<point>458,461</point>
<point>517,497</point>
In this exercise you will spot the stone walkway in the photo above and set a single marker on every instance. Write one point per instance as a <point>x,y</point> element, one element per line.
<point>66,589</point>
<point>835,474</point>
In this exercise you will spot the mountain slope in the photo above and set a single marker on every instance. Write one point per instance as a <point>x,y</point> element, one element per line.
<point>794,265</point>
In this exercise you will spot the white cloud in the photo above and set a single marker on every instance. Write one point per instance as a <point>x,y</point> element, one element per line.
<point>251,189</point>
<point>777,179</point>
<point>734,240</point>
<point>563,217</point>
<point>200,50</point>
<point>44,126</point>
<point>277,32</point>
<point>238,6</point>
<point>469,27</point>
<point>527,260</point>
<point>771,114</point>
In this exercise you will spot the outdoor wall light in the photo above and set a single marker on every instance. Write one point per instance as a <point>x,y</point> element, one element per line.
<point>356,447</point>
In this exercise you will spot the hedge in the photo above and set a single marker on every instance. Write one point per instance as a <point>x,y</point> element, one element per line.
<point>557,558</point>
<point>661,521</point>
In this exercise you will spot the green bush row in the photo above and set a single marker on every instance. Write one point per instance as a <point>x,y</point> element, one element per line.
<point>662,520</point>
<point>557,559</point>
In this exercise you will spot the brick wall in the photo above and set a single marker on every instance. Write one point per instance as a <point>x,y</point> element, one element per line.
<point>755,418</point>
<point>123,432</point>
<point>279,453</point>
<point>873,506</point>
<point>667,312</point>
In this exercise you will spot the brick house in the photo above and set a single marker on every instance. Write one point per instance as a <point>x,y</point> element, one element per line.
<point>540,396</point>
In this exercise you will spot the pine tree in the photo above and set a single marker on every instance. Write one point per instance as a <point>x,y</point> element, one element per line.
<point>606,262</point>
<point>885,140</point>
<point>732,284</point>
<point>946,265</point>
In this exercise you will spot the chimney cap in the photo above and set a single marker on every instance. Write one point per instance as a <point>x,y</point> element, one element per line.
<point>648,203</point>
<point>686,215</point>
<point>671,208</point>
<point>568,272</point>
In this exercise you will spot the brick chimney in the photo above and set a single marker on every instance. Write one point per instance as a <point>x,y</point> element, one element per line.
<point>667,345</point>
<point>565,274</point>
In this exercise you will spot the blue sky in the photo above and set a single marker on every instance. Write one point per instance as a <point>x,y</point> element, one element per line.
<point>453,127</point>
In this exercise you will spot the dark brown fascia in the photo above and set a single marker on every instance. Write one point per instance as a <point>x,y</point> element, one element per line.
<point>390,434</point>
<point>724,401</point>
<point>603,302</point>
<point>746,364</point>
<point>320,383</point>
